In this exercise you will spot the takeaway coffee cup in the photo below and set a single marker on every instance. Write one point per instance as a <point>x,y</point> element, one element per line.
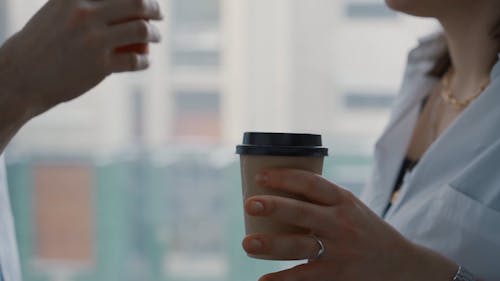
<point>276,150</point>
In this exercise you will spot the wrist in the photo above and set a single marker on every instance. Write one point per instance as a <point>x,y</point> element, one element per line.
<point>425,264</point>
<point>16,107</point>
<point>17,104</point>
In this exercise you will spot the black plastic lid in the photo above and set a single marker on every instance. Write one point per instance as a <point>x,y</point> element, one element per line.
<point>282,144</point>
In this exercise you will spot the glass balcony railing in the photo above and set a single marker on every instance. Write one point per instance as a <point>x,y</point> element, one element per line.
<point>162,216</point>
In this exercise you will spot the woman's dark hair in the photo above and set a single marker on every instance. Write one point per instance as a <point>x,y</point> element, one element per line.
<point>443,63</point>
<point>441,66</point>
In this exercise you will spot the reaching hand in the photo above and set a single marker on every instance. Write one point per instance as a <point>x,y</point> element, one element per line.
<point>68,47</point>
<point>358,244</point>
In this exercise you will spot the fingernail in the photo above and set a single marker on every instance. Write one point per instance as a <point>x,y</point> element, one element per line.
<point>255,244</point>
<point>262,177</point>
<point>256,207</point>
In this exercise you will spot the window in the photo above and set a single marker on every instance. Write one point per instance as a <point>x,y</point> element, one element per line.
<point>196,57</point>
<point>138,180</point>
<point>360,100</point>
<point>197,114</point>
<point>195,28</point>
<point>368,10</point>
<point>63,214</point>
<point>195,13</point>
<point>3,20</point>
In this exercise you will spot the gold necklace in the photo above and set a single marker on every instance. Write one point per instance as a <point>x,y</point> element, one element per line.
<point>450,99</point>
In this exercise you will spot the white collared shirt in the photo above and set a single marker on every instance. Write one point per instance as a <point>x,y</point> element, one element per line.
<point>9,259</point>
<point>451,201</point>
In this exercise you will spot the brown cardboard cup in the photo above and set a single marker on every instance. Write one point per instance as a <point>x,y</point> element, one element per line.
<point>276,150</point>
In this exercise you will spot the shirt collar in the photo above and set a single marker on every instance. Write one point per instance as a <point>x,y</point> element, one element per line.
<point>430,48</point>
<point>495,72</point>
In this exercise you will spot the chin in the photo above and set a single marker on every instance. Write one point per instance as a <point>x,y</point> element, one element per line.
<point>419,8</point>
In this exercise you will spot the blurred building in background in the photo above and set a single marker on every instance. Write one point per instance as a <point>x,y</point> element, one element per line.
<point>331,67</point>
<point>137,180</point>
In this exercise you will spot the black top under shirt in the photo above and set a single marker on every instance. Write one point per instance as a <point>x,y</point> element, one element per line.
<point>406,167</point>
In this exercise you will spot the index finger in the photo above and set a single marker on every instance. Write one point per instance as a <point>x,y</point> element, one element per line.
<point>313,187</point>
<point>118,11</point>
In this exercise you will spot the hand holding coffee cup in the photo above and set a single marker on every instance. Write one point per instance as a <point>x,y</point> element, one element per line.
<point>261,151</point>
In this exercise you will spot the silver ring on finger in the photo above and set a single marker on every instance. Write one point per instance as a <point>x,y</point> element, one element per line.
<point>321,245</point>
